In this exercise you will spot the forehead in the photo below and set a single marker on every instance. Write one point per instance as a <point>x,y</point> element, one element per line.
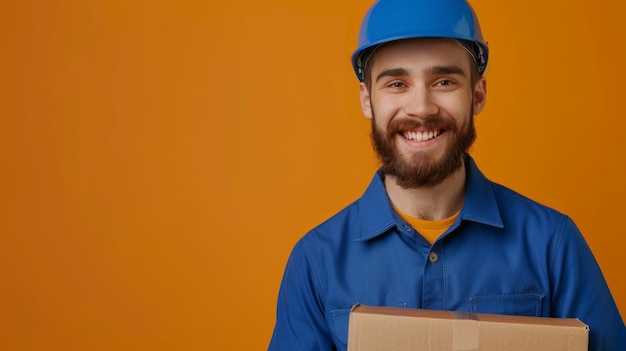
<point>420,53</point>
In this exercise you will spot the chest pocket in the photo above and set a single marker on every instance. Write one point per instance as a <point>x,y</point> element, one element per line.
<point>521,304</point>
<point>340,319</point>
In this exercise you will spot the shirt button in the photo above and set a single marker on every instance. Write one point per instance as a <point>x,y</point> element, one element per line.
<point>407,227</point>
<point>433,257</point>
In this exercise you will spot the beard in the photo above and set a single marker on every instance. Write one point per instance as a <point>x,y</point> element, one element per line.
<point>423,169</point>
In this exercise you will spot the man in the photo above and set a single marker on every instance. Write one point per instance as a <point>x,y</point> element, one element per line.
<point>431,231</point>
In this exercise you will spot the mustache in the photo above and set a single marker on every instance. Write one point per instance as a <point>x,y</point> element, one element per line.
<point>435,122</point>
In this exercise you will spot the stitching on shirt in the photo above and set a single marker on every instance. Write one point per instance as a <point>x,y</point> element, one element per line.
<point>558,240</point>
<point>314,271</point>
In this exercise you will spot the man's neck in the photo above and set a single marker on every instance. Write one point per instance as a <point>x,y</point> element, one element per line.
<point>430,203</point>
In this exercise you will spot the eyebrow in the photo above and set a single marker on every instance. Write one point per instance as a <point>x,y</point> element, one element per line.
<point>392,72</point>
<point>396,72</point>
<point>452,69</point>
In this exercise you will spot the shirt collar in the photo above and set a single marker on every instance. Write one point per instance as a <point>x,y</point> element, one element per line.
<point>377,216</point>
<point>481,205</point>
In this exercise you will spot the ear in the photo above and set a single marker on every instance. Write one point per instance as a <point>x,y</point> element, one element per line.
<point>366,103</point>
<point>480,95</point>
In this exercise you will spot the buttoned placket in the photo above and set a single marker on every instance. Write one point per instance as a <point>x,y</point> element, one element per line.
<point>433,296</point>
<point>433,291</point>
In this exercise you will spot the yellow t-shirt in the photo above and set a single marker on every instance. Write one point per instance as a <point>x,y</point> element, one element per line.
<point>430,230</point>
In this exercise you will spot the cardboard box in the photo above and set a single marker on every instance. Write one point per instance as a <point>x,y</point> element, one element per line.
<point>397,329</point>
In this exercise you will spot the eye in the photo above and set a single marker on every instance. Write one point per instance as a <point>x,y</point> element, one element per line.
<point>396,85</point>
<point>445,82</point>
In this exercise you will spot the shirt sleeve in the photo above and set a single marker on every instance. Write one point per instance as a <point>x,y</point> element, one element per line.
<point>580,290</point>
<point>300,322</point>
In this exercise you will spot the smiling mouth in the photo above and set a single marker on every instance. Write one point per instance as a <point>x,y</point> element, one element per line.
<point>422,135</point>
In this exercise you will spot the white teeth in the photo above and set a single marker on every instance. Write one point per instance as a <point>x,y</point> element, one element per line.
<point>420,136</point>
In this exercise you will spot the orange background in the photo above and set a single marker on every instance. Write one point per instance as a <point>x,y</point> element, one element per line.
<point>161,158</point>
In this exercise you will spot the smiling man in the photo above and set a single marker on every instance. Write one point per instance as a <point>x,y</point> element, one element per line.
<point>431,231</point>
<point>421,101</point>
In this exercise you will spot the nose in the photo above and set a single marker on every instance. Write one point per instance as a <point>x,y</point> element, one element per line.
<point>420,103</point>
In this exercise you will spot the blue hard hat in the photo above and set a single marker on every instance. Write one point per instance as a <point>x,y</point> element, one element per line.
<point>389,20</point>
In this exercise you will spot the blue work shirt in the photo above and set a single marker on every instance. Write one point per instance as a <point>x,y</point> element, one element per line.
<point>504,254</point>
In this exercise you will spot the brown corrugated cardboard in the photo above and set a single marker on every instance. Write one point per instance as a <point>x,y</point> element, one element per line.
<point>398,329</point>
